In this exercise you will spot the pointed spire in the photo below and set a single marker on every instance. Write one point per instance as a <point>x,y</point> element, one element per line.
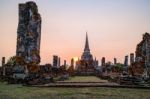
<point>87,49</point>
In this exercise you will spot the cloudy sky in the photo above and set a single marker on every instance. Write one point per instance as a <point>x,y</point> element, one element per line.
<point>114,27</point>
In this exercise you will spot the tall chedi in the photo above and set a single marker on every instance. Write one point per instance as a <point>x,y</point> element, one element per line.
<point>86,54</point>
<point>29,33</point>
<point>86,66</point>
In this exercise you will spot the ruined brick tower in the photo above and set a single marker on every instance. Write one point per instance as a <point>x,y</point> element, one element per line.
<point>141,65</point>
<point>29,33</point>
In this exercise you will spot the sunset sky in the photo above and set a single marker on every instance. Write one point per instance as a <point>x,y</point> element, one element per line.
<point>114,27</point>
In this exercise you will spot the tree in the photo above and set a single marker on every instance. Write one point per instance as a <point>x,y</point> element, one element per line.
<point>119,66</point>
<point>15,60</point>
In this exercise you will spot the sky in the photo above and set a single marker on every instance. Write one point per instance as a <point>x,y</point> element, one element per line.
<point>114,27</point>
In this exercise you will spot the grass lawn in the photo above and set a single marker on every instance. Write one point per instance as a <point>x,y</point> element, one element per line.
<point>85,79</point>
<point>22,92</point>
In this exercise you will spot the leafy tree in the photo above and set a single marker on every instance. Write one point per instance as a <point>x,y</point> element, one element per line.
<point>119,66</point>
<point>14,60</point>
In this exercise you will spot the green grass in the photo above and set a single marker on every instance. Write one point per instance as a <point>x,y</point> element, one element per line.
<point>85,79</point>
<point>22,92</point>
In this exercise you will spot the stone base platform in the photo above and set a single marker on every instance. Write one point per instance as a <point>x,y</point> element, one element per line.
<point>88,84</point>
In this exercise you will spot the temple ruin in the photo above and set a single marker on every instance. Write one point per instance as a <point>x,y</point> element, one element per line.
<point>29,33</point>
<point>141,66</point>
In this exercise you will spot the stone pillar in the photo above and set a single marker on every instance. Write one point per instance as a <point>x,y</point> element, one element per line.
<point>59,62</point>
<point>65,63</point>
<point>3,61</point>
<point>126,61</point>
<point>3,67</point>
<point>29,33</point>
<point>72,62</point>
<point>103,61</point>
<point>55,60</point>
<point>131,58</point>
<point>95,62</point>
<point>115,61</point>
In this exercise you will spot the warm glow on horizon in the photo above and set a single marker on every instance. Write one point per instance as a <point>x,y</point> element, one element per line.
<point>75,59</point>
